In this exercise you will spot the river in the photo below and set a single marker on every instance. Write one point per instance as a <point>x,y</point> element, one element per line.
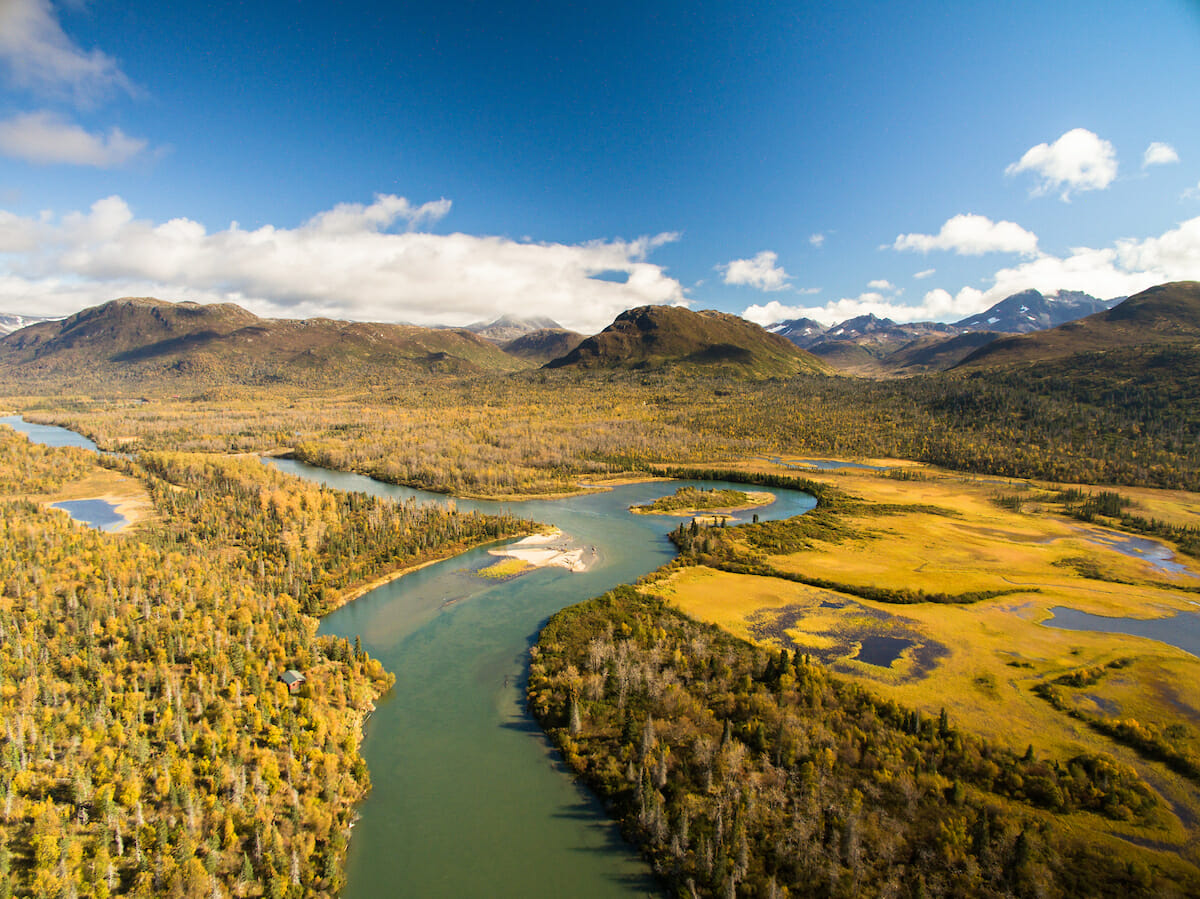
<point>468,797</point>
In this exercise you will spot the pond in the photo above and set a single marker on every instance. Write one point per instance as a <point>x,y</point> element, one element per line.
<point>98,513</point>
<point>882,651</point>
<point>1181,630</point>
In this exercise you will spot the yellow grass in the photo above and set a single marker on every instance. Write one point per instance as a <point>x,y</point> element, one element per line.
<point>979,661</point>
<point>505,568</point>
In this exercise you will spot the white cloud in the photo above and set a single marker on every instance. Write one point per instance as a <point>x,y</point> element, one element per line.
<point>40,56</point>
<point>46,139</point>
<point>926,273</point>
<point>972,235</point>
<point>342,263</point>
<point>1159,154</point>
<point>1079,160</point>
<point>1192,193</point>
<point>768,313</point>
<point>1129,266</point>
<point>761,272</point>
<point>817,240</point>
<point>881,284</point>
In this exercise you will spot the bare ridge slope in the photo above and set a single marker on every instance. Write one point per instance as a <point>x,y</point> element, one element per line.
<point>655,337</point>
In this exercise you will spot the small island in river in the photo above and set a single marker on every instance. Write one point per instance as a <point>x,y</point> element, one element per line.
<point>706,504</point>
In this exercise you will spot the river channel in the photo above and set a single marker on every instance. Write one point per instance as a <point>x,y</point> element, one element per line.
<point>467,796</point>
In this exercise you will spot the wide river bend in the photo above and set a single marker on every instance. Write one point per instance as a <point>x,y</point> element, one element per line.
<point>468,798</point>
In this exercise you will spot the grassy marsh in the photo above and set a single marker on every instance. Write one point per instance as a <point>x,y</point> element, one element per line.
<point>982,661</point>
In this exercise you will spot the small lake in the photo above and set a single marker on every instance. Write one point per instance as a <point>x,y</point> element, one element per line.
<point>95,512</point>
<point>1181,630</point>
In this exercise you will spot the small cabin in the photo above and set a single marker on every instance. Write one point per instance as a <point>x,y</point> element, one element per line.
<point>293,680</point>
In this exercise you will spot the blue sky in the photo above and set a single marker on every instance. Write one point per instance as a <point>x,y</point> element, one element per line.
<point>450,162</point>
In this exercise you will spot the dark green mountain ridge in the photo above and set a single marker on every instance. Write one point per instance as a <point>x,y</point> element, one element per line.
<point>658,337</point>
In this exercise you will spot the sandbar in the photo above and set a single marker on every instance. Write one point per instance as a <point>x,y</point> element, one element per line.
<point>553,549</point>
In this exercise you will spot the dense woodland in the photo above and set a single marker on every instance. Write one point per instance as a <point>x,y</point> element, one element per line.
<point>1098,421</point>
<point>743,771</point>
<point>148,745</point>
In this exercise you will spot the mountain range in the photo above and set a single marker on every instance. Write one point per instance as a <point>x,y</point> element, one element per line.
<point>142,340</point>
<point>868,345</point>
<point>144,336</point>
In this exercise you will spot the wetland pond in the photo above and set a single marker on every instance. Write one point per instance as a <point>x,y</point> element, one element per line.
<point>98,513</point>
<point>1181,630</point>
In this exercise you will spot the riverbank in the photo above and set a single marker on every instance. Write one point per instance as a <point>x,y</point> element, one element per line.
<point>584,486</point>
<point>386,577</point>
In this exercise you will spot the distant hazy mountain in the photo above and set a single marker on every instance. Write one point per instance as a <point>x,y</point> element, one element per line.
<point>652,337</point>
<point>936,353</point>
<point>1030,310</point>
<point>1164,316</point>
<point>143,336</point>
<point>509,327</point>
<point>10,322</point>
<point>543,345</point>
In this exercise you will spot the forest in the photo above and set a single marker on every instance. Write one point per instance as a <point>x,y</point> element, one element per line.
<point>747,771</point>
<point>149,747</point>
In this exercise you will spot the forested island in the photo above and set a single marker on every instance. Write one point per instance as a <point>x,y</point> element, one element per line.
<point>695,501</point>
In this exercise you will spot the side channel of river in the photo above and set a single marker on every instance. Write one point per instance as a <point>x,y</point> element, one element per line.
<point>467,797</point>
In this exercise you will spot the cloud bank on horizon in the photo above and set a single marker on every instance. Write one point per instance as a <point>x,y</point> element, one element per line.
<point>1077,161</point>
<point>343,263</point>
